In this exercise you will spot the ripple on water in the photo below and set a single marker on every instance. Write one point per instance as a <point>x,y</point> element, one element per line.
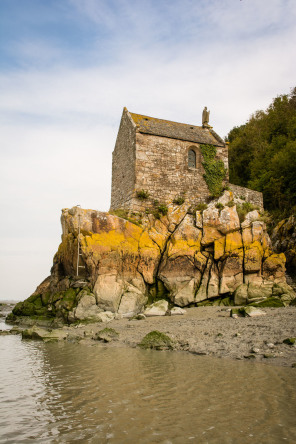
<point>57,393</point>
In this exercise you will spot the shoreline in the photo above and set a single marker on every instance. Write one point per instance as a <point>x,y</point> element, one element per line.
<point>202,331</point>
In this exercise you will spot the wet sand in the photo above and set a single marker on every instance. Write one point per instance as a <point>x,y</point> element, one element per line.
<point>208,331</point>
<point>211,331</point>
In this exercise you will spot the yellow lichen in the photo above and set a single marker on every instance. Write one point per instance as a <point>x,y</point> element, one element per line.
<point>233,242</point>
<point>219,247</point>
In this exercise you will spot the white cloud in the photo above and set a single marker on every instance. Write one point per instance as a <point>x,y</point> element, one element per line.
<point>59,124</point>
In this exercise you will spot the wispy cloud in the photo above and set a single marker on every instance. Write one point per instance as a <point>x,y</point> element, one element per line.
<point>69,67</point>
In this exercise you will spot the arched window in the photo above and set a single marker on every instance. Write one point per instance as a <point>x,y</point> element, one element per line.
<point>191,159</point>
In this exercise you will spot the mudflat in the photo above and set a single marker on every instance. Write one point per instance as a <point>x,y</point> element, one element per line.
<point>201,330</point>
<point>211,331</point>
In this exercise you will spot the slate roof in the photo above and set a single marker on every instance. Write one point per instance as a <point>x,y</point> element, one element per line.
<point>175,130</point>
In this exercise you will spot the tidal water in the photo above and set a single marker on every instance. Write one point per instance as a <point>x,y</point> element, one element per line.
<point>68,393</point>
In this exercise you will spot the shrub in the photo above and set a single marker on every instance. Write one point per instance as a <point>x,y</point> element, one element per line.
<point>266,217</point>
<point>179,200</point>
<point>120,213</point>
<point>163,209</point>
<point>219,206</point>
<point>244,209</point>
<point>230,204</point>
<point>200,207</point>
<point>142,194</point>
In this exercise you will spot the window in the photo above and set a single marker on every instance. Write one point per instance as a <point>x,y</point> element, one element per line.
<point>191,159</point>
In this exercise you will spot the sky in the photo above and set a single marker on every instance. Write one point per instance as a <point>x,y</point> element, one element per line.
<point>67,69</point>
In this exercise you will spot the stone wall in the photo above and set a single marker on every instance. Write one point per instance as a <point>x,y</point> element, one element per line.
<point>158,165</point>
<point>254,197</point>
<point>123,164</point>
<point>162,169</point>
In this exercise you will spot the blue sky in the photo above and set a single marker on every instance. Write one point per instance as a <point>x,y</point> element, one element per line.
<point>68,67</point>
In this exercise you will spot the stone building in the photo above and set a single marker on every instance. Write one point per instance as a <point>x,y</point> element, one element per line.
<point>164,159</point>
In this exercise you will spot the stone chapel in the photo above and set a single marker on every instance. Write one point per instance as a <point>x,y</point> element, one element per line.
<point>164,159</point>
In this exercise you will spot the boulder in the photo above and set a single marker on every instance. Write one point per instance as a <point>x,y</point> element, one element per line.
<point>250,217</point>
<point>131,303</point>
<point>177,311</point>
<point>108,290</point>
<point>87,309</point>
<point>241,295</point>
<point>253,311</point>
<point>259,292</point>
<point>158,308</point>
<point>107,335</point>
<point>156,340</point>
<point>106,316</point>
<point>44,335</point>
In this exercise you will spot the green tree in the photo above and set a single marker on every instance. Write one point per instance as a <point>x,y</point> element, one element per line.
<point>262,154</point>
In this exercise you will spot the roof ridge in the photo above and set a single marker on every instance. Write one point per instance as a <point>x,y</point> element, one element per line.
<point>164,120</point>
<point>175,130</point>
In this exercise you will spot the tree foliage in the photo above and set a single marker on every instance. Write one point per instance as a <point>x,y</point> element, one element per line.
<point>262,154</point>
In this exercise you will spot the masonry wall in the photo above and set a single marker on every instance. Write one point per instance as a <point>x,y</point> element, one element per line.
<point>123,165</point>
<point>162,169</point>
<point>252,196</point>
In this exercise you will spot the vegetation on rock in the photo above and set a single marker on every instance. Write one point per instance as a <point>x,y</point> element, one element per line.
<point>200,207</point>
<point>289,341</point>
<point>142,194</point>
<point>156,340</point>
<point>107,335</point>
<point>179,200</point>
<point>244,209</point>
<point>269,302</point>
<point>215,171</point>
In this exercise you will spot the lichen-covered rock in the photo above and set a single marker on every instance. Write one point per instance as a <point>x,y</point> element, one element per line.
<point>86,309</point>
<point>284,240</point>
<point>179,257</point>
<point>158,308</point>
<point>44,335</point>
<point>156,340</point>
<point>241,295</point>
<point>274,268</point>
<point>177,311</point>
<point>106,316</point>
<point>253,311</point>
<point>131,303</point>
<point>107,335</point>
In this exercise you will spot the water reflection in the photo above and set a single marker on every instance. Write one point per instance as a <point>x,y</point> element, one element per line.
<point>76,393</point>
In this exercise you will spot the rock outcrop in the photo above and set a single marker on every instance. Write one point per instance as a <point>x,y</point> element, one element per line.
<point>187,257</point>
<point>284,241</point>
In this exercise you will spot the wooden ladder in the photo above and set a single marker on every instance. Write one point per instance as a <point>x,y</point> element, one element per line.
<point>79,251</point>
